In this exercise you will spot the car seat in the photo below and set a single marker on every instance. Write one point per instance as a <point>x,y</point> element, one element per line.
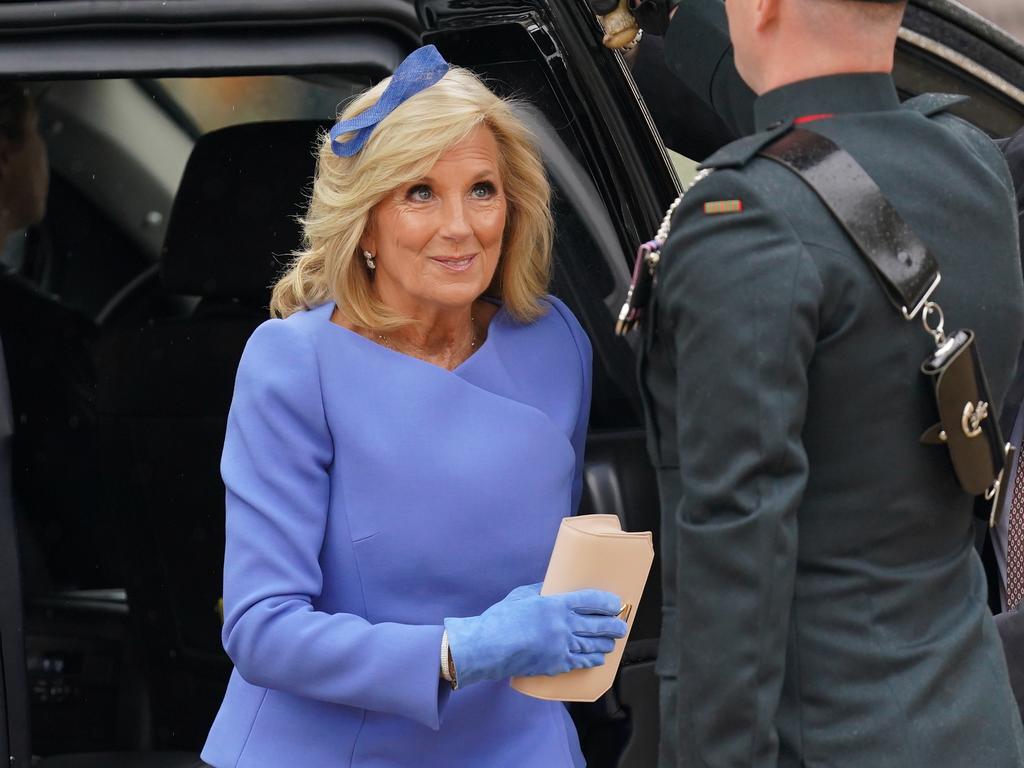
<point>163,391</point>
<point>14,699</point>
<point>47,349</point>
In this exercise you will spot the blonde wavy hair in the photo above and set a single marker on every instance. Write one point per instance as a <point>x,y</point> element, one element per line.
<point>402,149</point>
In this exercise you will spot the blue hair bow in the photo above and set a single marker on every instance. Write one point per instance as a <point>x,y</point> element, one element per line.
<point>420,69</point>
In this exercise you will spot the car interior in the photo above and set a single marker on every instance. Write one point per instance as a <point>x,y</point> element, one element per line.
<point>123,319</point>
<point>173,204</point>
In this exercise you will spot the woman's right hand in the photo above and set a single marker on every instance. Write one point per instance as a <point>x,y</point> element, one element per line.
<point>527,634</point>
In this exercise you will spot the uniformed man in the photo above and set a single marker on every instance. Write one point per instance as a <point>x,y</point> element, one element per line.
<point>824,603</point>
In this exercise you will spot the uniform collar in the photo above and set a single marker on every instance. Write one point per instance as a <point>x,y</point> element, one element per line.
<point>833,94</point>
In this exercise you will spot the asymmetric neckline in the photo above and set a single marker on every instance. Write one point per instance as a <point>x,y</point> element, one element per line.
<point>496,322</point>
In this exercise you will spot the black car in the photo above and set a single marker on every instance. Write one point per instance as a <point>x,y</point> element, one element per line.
<point>180,135</point>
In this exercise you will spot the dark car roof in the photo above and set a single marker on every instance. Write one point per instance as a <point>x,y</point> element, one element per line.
<point>97,12</point>
<point>401,13</point>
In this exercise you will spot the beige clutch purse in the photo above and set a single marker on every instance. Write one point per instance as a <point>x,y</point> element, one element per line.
<point>592,551</point>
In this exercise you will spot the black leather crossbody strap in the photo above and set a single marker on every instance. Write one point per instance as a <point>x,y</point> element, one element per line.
<point>907,269</point>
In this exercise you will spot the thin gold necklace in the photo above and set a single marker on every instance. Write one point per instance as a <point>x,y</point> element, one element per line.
<point>472,342</point>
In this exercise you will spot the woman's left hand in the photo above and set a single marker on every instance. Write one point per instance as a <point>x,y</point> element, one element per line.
<point>530,634</point>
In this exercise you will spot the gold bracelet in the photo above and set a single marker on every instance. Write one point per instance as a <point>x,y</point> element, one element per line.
<point>447,662</point>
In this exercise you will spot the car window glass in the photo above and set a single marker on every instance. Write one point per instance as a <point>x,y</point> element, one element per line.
<point>83,278</point>
<point>216,102</point>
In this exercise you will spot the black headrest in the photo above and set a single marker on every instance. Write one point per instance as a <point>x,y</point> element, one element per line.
<point>233,223</point>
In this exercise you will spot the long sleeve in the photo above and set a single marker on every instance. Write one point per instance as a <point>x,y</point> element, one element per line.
<point>586,358</point>
<point>277,457</point>
<point>699,52</point>
<point>738,302</point>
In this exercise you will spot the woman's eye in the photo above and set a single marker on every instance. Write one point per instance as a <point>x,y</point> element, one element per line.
<point>483,190</point>
<point>420,193</point>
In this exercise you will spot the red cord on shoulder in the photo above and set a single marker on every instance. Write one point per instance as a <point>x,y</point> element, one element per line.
<point>812,118</point>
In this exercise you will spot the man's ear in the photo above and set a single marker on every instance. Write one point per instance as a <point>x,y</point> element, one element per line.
<point>766,13</point>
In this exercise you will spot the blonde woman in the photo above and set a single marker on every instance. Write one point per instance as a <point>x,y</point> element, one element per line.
<point>404,438</point>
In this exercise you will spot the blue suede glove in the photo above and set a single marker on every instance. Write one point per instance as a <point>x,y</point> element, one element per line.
<point>526,634</point>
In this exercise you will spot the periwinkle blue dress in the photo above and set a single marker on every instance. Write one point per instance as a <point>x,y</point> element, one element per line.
<point>370,495</point>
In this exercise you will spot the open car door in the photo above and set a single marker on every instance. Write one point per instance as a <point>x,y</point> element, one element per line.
<point>14,742</point>
<point>944,47</point>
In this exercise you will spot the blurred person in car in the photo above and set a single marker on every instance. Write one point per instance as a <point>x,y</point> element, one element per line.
<point>404,439</point>
<point>24,169</point>
<point>823,599</point>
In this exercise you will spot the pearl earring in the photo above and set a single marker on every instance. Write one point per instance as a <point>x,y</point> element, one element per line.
<point>370,263</point>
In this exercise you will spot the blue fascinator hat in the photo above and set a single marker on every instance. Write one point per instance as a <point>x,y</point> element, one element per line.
<point>420,70</point>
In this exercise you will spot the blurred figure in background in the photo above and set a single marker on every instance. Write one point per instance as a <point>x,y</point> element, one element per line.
<point>24,169</point>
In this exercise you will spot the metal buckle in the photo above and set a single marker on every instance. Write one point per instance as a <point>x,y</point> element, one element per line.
<point>939,331</point>
<point>996,493</point>
<point>638,296</point>
<point>924,300</point>
<point>626,319</point>
<point>627,608</point>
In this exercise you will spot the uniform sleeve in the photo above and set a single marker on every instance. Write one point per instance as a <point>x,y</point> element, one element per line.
<point>585,353</point>
<point>699,52</point>
<point>277,456</point>
<point>739,300</point>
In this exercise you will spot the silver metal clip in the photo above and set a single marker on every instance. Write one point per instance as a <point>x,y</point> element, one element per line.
<point>996,493</point>
<point>926,299</point>
<point>939,331</point>
<point>624,323</point>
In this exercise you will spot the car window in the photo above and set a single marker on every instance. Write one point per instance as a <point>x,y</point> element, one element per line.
<point>112,191</point>
<point>216,102</point>
<point>80,282</point>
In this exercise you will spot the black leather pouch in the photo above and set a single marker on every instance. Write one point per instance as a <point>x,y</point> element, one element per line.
<point>968,426</point>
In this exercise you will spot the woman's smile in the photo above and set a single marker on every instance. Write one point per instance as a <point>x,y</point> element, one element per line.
<point>455,263</point>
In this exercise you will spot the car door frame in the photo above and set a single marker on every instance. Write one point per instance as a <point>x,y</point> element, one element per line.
<point>930,56</point>
<point>14,712</point>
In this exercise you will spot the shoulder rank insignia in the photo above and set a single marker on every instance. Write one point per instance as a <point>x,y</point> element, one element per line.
<point>717,207</point>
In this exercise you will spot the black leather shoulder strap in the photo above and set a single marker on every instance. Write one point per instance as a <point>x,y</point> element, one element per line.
<point>906,267</point>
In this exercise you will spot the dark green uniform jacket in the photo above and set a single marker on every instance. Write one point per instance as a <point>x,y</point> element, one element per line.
<point>824,604</point>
